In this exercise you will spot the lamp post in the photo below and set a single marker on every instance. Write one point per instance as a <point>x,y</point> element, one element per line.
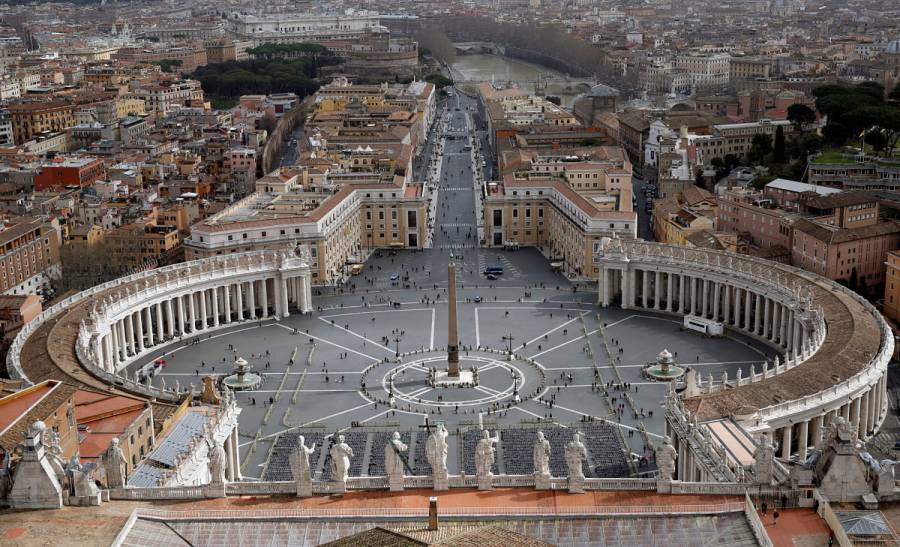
<point>508,338</point>
<point>397,346</point>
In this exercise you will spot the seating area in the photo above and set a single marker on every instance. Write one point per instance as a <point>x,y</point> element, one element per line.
<point>279,467</point>
<point>606,454</point>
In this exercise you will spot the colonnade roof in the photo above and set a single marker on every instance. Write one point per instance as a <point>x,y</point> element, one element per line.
<point>853,339</point>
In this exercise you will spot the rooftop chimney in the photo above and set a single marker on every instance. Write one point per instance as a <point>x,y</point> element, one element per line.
<point>432,513</point>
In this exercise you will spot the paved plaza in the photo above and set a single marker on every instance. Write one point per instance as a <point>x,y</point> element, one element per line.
<point>314,366</point>
<point>336,370</point>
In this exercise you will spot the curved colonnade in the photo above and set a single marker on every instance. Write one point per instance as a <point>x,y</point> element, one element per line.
<point>835,345</point>
<point>104,329</point>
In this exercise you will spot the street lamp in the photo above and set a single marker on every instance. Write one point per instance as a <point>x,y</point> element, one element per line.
<point>508,338</point>
<point>397,347</point>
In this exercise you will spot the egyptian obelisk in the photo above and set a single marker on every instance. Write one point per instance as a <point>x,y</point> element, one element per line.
<point>452,328</point>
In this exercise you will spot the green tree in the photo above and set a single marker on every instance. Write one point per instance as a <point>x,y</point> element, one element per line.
<point>439,80</point>
<point>779,146</point>
<point>800,115</point>
<point>760,147</point>
<point>894,95</point>
<point>877,140</point>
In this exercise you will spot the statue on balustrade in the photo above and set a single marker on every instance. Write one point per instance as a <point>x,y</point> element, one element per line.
<point>299,460</point>
<point>436,450</point>
<point>340,460</point>
<point>576,453</point>
<point>80,482</point>
<point>541,456</point>
<point>393,461</point>
<point>484,455</point>
<point>764,461</point>
<point>114,465</point>
<point>217,463</point>
<point>665,459</point>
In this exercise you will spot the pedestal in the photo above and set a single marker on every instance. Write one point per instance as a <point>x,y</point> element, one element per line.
<point>663,486</point>
<point>542,482</point>
<point>304,489</point>
<point>576,486</point>
<point>395,483</point>
<point>485,483</point>
<point>441,482</point>
<point>337,487</point>
<point>213,490</point>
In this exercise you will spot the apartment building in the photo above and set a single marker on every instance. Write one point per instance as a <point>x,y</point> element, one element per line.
<point>30,254</point>
<point>31,119</point>
<point>63,171</point>
<point>845,254</point>
<point>737,138</point>
<point>338,222</point>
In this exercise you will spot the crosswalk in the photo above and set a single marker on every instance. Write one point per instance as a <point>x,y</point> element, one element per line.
<point>509,270</point>
<point>457,225</point>
<point>458,189</point>
<point>455,246</point>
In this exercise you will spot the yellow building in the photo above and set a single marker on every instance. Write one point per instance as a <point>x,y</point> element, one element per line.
<point>136,245</point>
<point>673,223</point>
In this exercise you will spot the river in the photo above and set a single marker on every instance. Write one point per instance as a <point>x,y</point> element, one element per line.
<point>500,69</point>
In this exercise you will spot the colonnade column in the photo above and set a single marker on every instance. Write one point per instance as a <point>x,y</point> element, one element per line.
<point>139,322</point>
<point>728,295</point>
<point>681,293</point>
<point>251,285</point>
<point>767,317</point>
<point>203,314</point>
<point>180,314</point>
<point>717,300</point>
<point>803,440</point>
<point>129,334</point>
<point>657,291</point>
<point>863,416</point>
<point>669,286</point>
<point>283,283</point>
<point>786,443</point>
<point>693,295</point>
<point>748,302</point>
<point>123,344</point>
<point>239,300</point>
<point>215,306</point>
<point>645,288</point>
<point>704,309</point>
<point>226,299</point>
<point>757,319</point>
<point>264,294</point>
<point>307,291</point>
<point>604,287</point>
<point>160,324</point>
<point>148,311</point>
<point>854,413</point>
<point>170,319</point>
<point>737,307</point>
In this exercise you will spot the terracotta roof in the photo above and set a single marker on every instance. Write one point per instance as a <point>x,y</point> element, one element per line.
<point>832,234</point>
<point>841,199</point>
<point>42,408</point>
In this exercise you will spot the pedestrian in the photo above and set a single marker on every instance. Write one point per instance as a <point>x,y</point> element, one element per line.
<point>775,516</point>
<point>763,508</point>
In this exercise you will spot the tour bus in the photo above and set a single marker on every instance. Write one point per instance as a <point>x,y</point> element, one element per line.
<point>496,270</point>
<point>705,326</point>
<point>356,269</point>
